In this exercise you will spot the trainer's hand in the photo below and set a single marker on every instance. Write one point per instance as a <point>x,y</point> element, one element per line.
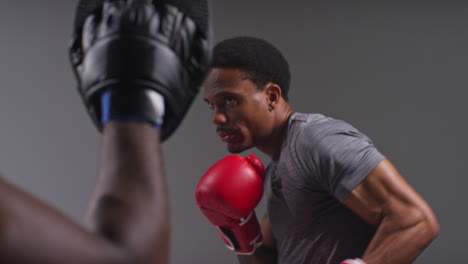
<point>140,60</point>
<point>227,194</point>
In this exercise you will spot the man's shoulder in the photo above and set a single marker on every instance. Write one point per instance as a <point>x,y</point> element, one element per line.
<point>315,124</point>
<point>308,118</point>
<point>317,133</point>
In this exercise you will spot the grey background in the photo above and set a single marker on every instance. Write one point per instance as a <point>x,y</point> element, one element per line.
<point>394,69</point>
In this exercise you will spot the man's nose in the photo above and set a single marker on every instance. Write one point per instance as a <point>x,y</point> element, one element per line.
<point>219,117</point>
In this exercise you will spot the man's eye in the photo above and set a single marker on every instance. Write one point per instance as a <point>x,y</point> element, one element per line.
<point>230,100</point>
<point>211,106</point>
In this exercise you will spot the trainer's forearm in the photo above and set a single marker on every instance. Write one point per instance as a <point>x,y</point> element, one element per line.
<point>402,238</point>
<point>32,232</point>
<point>130,204</point>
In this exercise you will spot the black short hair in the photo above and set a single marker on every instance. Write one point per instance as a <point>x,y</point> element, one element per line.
<point>259,59</point>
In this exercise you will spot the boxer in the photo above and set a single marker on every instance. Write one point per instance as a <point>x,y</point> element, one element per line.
<point>332,196</point>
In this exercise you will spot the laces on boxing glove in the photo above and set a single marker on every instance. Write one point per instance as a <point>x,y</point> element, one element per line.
<point>243,238</point>
<point>354,261</point>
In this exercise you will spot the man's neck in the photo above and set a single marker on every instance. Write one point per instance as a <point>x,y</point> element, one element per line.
<point>272,146</point>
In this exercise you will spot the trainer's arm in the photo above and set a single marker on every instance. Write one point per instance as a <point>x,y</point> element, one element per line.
<point>130,206</point>
<point>406,223</point>
<point>32,232</point>
<point>129,210</point>
<point>266,253</point>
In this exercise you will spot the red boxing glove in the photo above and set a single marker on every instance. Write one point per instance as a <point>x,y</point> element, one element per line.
<point>353,261</point>
<point>227,195</point>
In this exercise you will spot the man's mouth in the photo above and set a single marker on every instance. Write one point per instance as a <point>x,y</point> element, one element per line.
<point>229,136</point>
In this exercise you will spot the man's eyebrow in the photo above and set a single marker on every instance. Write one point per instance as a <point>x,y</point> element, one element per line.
<point>222,83</point>
<point>223,93</point>
<point>220,94</point>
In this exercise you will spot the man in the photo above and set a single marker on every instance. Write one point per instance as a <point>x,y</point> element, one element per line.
<point>332,197</point>
<point>139,65</point>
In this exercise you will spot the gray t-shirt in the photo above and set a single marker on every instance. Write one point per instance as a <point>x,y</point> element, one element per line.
<point>321,161</point>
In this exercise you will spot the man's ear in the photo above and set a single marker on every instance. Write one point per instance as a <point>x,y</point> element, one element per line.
<point>273,94</point>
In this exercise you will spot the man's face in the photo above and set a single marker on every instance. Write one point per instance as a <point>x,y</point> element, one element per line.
<point>239,109</point>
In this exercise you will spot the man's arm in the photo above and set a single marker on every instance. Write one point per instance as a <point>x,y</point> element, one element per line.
<point>31,232</point>
<point>129,212</point>
<point>406,223</point>
<point>130,206</point>
<point>266,253</point>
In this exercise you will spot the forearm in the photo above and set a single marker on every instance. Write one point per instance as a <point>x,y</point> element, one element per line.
<point>262,255</point>
<point>129,210</point>
<point>31,232</point>
<point>129,205</point>
<point>405,222</point>
<point>401,239</point>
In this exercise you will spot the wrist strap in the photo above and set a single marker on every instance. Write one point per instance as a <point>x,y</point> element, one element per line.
<point>143,105</point>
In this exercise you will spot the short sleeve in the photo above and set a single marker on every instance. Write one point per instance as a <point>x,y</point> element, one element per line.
<point>337,156</point>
